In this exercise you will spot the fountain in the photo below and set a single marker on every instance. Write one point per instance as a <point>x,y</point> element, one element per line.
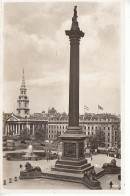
<point>29,155</point>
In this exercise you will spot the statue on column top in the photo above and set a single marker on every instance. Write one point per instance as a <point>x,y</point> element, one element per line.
<point>74,19</point>
<point>75,11</point>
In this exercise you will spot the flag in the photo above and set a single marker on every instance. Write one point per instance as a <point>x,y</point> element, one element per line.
<point>100,108</point>
<point>85,107</point>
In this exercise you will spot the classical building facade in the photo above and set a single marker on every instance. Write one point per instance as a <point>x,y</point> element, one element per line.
<point>5,116</point>
<point>57,125</point>
<point>14,124</point>
<point>90,124</point>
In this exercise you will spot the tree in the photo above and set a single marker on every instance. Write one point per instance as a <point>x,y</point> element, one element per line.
<point>40,134</point>
<point>25,134</point>
<point>52,112</point>
<point>97,140</point>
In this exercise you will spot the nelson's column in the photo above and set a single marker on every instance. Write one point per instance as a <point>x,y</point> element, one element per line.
<point>73,166</point>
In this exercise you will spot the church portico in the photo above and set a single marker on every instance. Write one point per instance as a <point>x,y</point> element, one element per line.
<point>15,124</point>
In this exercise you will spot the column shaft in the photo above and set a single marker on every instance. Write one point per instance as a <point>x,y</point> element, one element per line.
<point>74,83</point>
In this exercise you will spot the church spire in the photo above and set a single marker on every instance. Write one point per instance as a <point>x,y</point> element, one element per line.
<point>23,79</point>
<point>23,100</point>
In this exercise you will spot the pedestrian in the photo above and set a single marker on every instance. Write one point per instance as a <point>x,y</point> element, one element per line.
<point>47,158</point>
<point>111,184</point>
<point>91,158</point>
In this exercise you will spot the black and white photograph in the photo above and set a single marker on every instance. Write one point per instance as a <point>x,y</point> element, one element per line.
<point>62,94</point>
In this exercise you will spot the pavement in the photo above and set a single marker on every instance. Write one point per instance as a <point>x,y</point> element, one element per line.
<point>11,169</point>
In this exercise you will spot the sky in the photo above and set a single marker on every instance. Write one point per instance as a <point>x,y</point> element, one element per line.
<point>34,39</point>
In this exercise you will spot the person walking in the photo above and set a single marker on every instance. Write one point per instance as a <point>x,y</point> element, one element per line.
<point>111,184</point>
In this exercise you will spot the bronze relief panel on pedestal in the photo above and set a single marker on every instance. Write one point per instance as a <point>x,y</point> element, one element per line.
<point>70,150</point>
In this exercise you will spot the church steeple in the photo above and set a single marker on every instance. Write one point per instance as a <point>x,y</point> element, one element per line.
<point>23,80</point>
<point>23,100</point>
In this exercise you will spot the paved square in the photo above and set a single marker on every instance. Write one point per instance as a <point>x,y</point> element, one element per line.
<point>11,169</point>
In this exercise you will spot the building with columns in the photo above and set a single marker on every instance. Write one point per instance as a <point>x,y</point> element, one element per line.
<point>23,100</point>
<point>14,124</point>
<point>5,116</point>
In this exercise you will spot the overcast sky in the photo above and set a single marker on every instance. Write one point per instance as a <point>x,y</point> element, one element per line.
<point>34,39</point>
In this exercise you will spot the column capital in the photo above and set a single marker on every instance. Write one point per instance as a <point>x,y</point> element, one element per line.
<point>74,34</point>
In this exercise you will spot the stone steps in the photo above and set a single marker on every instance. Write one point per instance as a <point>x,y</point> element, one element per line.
<point>100,172</point>
<point>71,177</point>
<point>74,166</point>
<point>74,170</point>
<point>72,162</point>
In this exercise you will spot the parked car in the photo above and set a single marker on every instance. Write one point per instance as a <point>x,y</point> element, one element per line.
<point>42,144</point>
<point>113,153</point>
<point>23,142</point>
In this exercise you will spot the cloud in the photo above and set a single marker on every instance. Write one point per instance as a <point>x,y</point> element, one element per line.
<point>34,39</point>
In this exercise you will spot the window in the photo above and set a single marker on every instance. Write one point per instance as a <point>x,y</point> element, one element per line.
<point>88,133</point>
<point>92,128</point>
<point>108,134</point>
<point>88,128</point>
<point>104,128</point>
<point>108,140</point>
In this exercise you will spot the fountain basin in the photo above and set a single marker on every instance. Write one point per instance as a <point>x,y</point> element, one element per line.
<point>23,156</point>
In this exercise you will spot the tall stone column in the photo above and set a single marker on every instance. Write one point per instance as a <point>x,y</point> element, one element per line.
<point>74,35</point>
<point>73,138</point>
<point>73,159</point>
